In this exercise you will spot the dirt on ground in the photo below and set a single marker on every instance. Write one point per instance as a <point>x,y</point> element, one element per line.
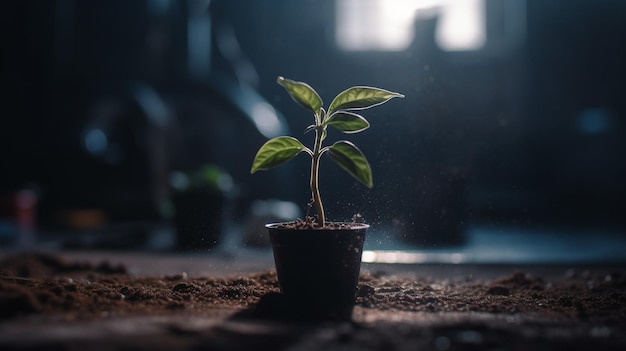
<point>44,284</point>
<point>519,311</point>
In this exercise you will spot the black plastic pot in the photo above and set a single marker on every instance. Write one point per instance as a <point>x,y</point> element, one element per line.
<point>318,269</point>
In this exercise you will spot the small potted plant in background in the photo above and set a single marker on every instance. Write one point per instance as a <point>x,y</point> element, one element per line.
<point>317,261</point>
<point>198,199</point>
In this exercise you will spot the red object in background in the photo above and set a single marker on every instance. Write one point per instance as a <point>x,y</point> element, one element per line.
<point>26,209</point>
<point>18,215</point>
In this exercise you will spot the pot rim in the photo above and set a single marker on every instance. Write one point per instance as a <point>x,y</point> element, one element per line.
<point>353,226</point>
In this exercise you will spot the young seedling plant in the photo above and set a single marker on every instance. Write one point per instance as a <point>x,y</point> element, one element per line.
<point>340,115</point>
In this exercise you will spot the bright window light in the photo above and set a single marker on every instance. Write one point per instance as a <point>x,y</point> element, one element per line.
<point>388,25</point>
<point>462,26</point>
<point>374,24</point>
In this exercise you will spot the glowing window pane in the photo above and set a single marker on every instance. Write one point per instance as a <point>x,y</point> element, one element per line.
<point>384,25</point>
<point>461,26</point>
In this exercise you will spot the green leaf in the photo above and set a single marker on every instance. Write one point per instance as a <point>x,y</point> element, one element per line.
<point>348,122</point>
<point>302,93</point>
<point>276,152</point>
<point>351,159</point>
<point>358,98</point>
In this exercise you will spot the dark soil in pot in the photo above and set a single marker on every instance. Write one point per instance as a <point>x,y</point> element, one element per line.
<point>318,268</point>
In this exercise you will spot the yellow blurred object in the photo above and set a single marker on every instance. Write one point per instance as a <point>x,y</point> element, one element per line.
<point>82,218</point>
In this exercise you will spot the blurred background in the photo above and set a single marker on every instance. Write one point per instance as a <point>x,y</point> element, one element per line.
<point>133,124</point>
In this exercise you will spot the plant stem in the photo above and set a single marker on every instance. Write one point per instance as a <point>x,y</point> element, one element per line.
<point>315,164</point>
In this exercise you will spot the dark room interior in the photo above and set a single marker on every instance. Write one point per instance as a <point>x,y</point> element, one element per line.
<point>129,129</point>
